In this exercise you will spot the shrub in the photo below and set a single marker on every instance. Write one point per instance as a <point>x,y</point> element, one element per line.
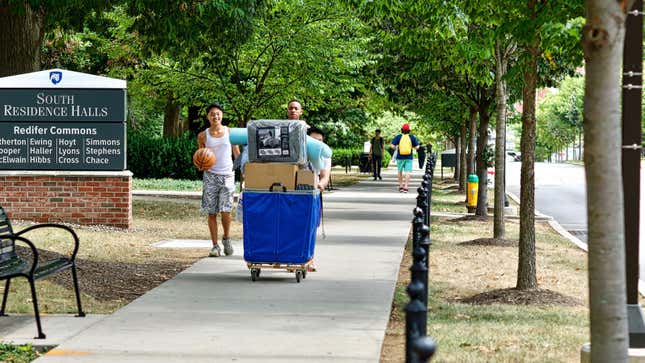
<point>386,159</point>
<point>157,157</point>
<point>341,156</point>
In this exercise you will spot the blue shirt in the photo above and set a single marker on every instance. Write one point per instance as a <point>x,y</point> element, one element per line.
<point>396,141</point>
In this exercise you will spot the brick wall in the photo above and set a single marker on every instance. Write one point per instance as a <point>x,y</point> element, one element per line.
<point>90,198</point>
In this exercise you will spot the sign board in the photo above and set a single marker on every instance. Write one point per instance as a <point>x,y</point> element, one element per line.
<point>62,120</point>
<point>448,159</point>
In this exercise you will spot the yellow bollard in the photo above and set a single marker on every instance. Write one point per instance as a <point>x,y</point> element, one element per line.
<point>472,189</point>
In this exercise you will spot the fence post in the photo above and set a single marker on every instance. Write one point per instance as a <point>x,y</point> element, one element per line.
<point>419,253</point>
<point>426,185</point>
<point>416,311</point>
<point>423,237</point>
<point>418,347</point>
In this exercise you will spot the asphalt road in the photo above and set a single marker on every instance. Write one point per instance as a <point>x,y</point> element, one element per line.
<point>560,192</point>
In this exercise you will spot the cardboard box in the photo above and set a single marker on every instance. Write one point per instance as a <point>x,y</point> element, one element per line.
<point>261,176</point>
<point>305,177</point>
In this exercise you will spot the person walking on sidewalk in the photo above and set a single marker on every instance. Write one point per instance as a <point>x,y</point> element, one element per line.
<point>376,153</point>
<point>322,175</point>
<point>404,143</point>
<point>219,180</point>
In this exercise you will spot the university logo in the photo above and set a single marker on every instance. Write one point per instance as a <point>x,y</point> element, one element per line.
<point>55,76</point>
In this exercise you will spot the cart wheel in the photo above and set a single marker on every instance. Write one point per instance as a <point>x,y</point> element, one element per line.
<point>304,274</point>
<point>298,275</point>
<point>254,274</point>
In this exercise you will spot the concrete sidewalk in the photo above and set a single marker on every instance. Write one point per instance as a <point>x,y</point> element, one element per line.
<point>213,312</point>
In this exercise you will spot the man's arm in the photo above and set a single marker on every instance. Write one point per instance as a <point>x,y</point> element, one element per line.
<point>325,173</point>
<point>323,179</point>
<point>395,141</point>
<point>201,139</point>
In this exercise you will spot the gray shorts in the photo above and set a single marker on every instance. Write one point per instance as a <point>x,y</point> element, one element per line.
<point>217,193</point>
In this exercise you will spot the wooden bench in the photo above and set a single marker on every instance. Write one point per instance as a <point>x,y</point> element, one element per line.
<point>14,265</point>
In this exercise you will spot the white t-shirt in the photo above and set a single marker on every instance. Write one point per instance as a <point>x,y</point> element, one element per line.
<point>221,146</point>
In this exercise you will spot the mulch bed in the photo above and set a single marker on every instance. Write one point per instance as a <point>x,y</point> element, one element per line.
<point>491,242</point>
<point>113,280</point>
<point>512,296</point>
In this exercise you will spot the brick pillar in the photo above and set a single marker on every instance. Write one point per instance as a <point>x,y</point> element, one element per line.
<point>80,197</point>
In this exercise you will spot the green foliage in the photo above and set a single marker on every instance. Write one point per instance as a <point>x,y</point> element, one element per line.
<point>17,353</point>
<point>559,117</point>
<point>489,156</point>
<point>67,13</point>
<point>342,156</point>
<point>386,159</point>
<point>157,157</point>
<point>343,128</point>
<point>312,51</point>
<point>184,29</point>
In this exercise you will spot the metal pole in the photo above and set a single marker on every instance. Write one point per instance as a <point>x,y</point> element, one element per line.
<point>631,152</point>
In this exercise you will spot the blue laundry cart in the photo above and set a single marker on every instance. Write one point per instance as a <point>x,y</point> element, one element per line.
<point>280,230</point>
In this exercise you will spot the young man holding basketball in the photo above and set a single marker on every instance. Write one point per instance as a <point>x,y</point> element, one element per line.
<point>219,180</point>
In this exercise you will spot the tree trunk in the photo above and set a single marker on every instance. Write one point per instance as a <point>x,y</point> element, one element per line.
<point>580,145</point>
<point>482,141</point>
<point>602,41</point>
<point>499,230</point>
<point>21,37</point>
<point>462,158</point>
<point>472,138</point>
<point>171,121</point>
<point>526,275</point>
<point>195,120</point>
<point>457,154</point>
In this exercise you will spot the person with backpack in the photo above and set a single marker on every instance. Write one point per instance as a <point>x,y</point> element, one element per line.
<point>376,153</point>
<point>404,143</point>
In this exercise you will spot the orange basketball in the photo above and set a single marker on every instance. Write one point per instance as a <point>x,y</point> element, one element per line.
<point>204,158</point>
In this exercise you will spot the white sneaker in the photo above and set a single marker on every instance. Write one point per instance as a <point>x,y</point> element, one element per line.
<point>216,251</point>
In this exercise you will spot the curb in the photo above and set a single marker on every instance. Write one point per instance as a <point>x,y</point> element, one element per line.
<point>166,194</point>
<point>573,239</point>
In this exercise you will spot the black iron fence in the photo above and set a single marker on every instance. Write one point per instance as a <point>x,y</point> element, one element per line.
<point>418,346</point>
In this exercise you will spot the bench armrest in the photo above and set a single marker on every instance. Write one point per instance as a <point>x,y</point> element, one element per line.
<point>34,250</point>
<point>53,225</point>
